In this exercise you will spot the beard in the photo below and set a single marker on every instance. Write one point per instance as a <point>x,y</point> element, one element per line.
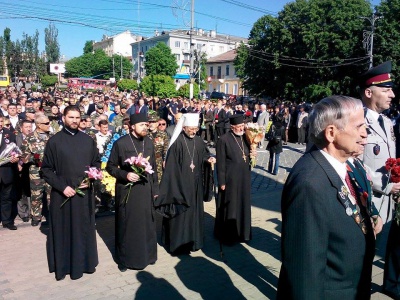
<point>141,133</point>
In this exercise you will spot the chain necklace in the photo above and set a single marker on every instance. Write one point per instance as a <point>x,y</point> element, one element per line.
<point>191,156</point>
<point>137,153</point>
<point>241,148</point>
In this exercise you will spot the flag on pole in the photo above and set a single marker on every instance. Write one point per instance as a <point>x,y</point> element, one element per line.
<point>57,68</point>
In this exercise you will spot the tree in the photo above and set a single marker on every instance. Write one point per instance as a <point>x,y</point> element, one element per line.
<point>49,80</point>
<point>126,66</point>
<point>88,48</point>
<point>160,61</point>
<point>200,60</point>
<point>51,41</point>
<point>8,47</point>
<point>96,64</point>
<point>158,85</point>
<point>30,50</point>
<point>310,44</point>
<point>387,32</point>
<point>184,90</point>
<point>127,84</point>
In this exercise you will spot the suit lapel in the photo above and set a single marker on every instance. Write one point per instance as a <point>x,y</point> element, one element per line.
<point>373,125</point>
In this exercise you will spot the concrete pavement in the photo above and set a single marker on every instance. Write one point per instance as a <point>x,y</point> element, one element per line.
<point>245,271</point>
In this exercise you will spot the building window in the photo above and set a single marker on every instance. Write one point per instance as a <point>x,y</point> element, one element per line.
<point>199,46</point>
<point>177,44</point>
<point>227,70</point>
<point>219,74</point>
<point>212,48</point>
<point>186,45</point>
<point>219,88</point>
<point>210,87</point>
<point>226,88</point>
<point>178,57</point>
<point>211,71</point>
<point>186,56</point>
<point>235,89</point>
<point>221,48</point>
<point>146,48</point>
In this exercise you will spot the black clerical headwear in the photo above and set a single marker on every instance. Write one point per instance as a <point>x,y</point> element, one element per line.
<point>236,119</point>
<point>138,118</point>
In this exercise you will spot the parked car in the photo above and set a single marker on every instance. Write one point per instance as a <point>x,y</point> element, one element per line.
<point>217,95</point>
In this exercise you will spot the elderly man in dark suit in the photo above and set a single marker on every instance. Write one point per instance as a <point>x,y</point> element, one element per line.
<point>327,235</point>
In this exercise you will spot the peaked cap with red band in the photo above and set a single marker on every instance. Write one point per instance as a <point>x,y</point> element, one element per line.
<point>378,76</point>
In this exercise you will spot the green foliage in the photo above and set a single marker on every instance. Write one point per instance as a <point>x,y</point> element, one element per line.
<point>98,65</point>
<point>158,85</point>
<point>127,84</point>
<point>48,80</point>
<point>387,34</point>
<point>200,60</point>
<point>309,45</point>
<point>160,61</point>
<point>88,48</point>
<point>184,90</point>
<point>51,43</point>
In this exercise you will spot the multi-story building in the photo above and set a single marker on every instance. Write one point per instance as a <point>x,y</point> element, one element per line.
<point>208,42</point>
<point>117,44</point>
<point>221,74</point>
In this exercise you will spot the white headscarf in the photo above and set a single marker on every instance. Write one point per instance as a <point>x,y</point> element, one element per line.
<point>191,120</point>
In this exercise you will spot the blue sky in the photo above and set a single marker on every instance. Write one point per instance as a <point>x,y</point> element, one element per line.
<point>79,21</point>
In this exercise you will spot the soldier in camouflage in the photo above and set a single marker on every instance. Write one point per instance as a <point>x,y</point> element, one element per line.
<point>99,111</point>
<point>83,126</point>
<point>33,149</point>
<point>160,140</point>
<point>118,119</point>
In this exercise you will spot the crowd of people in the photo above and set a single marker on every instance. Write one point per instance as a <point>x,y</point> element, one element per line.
<point>335,202</point>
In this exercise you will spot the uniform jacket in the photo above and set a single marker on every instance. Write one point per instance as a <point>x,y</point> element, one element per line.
<point>325,254</point>
<point>376,161</point>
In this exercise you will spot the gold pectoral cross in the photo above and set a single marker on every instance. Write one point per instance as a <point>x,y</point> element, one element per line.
<point>192,166</point>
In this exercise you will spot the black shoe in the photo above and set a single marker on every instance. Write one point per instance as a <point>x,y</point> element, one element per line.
<point>25,219</point>
<point>122,268</point>
<point>35,222</point>
<point>10,226</point>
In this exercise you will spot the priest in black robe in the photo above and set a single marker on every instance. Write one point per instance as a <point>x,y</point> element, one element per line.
<point>181,188</point>
<point>233,204</point>
<point>135,226</point>
<point>71,242</point>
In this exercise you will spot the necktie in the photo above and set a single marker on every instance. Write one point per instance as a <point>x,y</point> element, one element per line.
<point>380,120</point>
<point>350,185</point>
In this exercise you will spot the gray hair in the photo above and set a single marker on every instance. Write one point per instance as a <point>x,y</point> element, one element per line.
<point>40,117</point>
<point>332,110</point>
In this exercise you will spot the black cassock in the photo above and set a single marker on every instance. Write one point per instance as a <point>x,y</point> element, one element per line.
<point>181,194</point>
<point>71,243</point>
<point>135,230</point>
<point>233,214</point>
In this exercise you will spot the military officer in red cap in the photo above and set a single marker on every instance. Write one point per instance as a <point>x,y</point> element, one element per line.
<point>377,94</point>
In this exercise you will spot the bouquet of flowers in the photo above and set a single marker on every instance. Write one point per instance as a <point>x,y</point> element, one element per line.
<point>108,181</point>
<point>11,151</point>
<point>91,174</point>
<point>140,166</point>
<point>254,134</point>
<point>392,165</point>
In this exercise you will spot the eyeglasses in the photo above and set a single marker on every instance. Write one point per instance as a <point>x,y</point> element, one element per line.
<point>162,124</point>
<point>45,123</point>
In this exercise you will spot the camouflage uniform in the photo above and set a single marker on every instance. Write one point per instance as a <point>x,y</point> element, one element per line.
<point>117,121</point>
<point>32,152</point>
<point>161,141</point>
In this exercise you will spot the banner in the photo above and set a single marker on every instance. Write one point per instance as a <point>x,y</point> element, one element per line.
<point>57,68</point>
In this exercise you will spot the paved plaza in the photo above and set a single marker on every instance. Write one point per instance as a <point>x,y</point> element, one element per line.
<point>243,271</point>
